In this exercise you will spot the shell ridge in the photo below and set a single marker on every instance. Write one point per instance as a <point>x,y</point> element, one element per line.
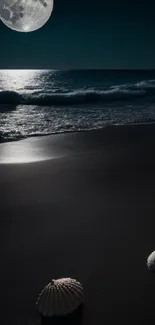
<point>76,291</point>
<point>72,297</point>
<point>51,302</point>
<point>46,301</point>
<point>42,300</point>
<point>63,302</point>
<point>66,302</point>
<point>71,300</point>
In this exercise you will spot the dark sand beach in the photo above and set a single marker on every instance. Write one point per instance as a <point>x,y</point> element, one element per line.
<point>86,209</point>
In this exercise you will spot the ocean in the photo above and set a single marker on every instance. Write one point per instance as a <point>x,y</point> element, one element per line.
<point>41,102</point>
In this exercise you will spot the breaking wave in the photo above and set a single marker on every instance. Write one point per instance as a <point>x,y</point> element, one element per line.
<point>79,97</point>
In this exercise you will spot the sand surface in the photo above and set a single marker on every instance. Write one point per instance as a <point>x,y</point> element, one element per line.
<point>89,213</point>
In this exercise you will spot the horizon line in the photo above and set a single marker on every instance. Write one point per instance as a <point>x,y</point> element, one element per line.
<point>80,69</point>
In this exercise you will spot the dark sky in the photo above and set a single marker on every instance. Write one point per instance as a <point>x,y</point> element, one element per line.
<point>86,34</point>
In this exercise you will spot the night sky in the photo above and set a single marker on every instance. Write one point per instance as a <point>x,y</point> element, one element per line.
<point>111,34</point>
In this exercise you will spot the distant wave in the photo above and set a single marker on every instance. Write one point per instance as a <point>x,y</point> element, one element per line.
<point>114,93</point>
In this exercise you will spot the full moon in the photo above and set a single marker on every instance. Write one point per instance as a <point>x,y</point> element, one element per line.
<point>25,15</point>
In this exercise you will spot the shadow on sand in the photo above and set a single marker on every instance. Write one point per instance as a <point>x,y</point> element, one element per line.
<point>72,319</point>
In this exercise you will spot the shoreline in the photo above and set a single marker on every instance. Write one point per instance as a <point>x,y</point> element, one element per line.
<point>79,131</point>
<point>42,148</point>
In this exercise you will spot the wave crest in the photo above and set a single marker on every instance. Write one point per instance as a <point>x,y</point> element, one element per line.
<point>114,93</point>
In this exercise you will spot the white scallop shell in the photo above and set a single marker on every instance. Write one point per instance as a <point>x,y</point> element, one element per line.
<point>60,297</point>
<point>151,262</point>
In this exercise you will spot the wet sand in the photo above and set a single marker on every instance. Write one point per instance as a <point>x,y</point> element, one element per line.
<point>88,211</point>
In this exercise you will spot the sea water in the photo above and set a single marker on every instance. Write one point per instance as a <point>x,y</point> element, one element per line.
<point>40,102</point>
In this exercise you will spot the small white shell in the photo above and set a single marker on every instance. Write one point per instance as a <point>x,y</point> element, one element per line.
<point>60,297</point>
<point>151,262</point>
